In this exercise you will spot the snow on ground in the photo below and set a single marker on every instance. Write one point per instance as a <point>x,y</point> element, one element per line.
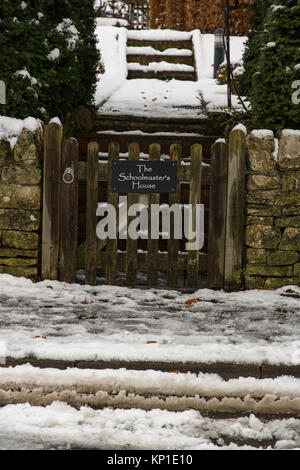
<point>59,426</point>
<point>74,322</point>
<point>152,98</point>
<point>147,382</point>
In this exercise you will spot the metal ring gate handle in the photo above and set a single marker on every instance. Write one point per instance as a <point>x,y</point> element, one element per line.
<point>68,176</point>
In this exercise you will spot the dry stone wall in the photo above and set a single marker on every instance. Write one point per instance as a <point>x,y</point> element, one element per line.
<point>272,233</point>
<point>20,204</point>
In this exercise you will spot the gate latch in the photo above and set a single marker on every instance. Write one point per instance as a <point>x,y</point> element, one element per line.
<point>68,176</point>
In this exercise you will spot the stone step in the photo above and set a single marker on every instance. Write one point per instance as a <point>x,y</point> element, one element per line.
<point>160,45</point>
<point>213,125</point>
<point>172,59</point>
<point>162,75</point>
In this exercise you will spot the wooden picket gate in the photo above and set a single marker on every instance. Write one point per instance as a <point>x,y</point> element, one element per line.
<point>61,255</point>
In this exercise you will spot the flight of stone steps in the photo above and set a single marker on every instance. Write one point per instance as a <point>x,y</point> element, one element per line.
<point>161,58</point>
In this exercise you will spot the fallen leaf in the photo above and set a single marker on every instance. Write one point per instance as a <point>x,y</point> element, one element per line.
<point>271,288</point>
<point>173,372</point>
<point>84,302</point>
<point>32,319</point>
<point>44,337</point>
<point>154,99</point>
<point>37,336</point>
<point>190,302</point>
<point>176,132</point>
<point>151,342</point>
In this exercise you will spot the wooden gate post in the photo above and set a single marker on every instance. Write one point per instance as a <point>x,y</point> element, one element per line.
<point>69,211</point>
<point>91,208</point>
<point>51,201</point>
<point>235,209</point>
<point>217,216</point>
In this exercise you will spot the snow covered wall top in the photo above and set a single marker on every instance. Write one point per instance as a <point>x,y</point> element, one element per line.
<point>10,128</point>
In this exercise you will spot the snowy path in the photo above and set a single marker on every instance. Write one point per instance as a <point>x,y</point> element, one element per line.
<point>60,426</point>
<point>52,320</point>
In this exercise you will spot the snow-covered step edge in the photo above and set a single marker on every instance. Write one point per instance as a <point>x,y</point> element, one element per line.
<point>146,382</point>
<point>159,35</point>
<point>160,67</point>
<point>152,134</point>
<point>148,50</point>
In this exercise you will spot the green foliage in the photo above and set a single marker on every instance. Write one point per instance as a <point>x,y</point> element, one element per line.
<point>250,58</point>
<point>48,56</point>
<point>241,277</point>
<point>277,68</point>
<point>271,62</point>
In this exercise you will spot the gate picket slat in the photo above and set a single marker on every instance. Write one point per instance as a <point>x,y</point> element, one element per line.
<point>69,213</point>
<point>51,201</point>
<point>173,245</point>
<point>91,208</point>
<point>195,198</point>
<point>112,198</point>
<point>217,216</point>
<point>132,245</point>
<point>153,245</point>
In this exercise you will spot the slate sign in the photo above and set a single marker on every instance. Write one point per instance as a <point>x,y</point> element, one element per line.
<point>144,177</point>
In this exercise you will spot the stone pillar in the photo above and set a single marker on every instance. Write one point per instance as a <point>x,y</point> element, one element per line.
<point>272,235</point>
<point>20,205</point>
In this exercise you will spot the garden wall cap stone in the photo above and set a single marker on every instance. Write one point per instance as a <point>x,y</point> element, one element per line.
<point>289,149</point>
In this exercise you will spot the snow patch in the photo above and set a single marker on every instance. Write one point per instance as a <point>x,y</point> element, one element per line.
<point>159,35</point>
<point>241,127</point>
<point>262,133</point>
<point>56,120</point>
<point>11,128</point>
<point>54,54</point>
<point>160,67</point>
<point>287,132</point>
<point>111,22</point>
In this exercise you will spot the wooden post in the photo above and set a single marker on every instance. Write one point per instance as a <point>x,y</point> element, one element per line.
<point>217,216</point>
<point>235,209</point>
<point>113,199</point>
<point>51,201</point>
<point>132,245</point>
<point>69,211</point>
<point>173,245</point>
<point>91,208</point>
<point>153,245</point>
<point>195,198</point>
